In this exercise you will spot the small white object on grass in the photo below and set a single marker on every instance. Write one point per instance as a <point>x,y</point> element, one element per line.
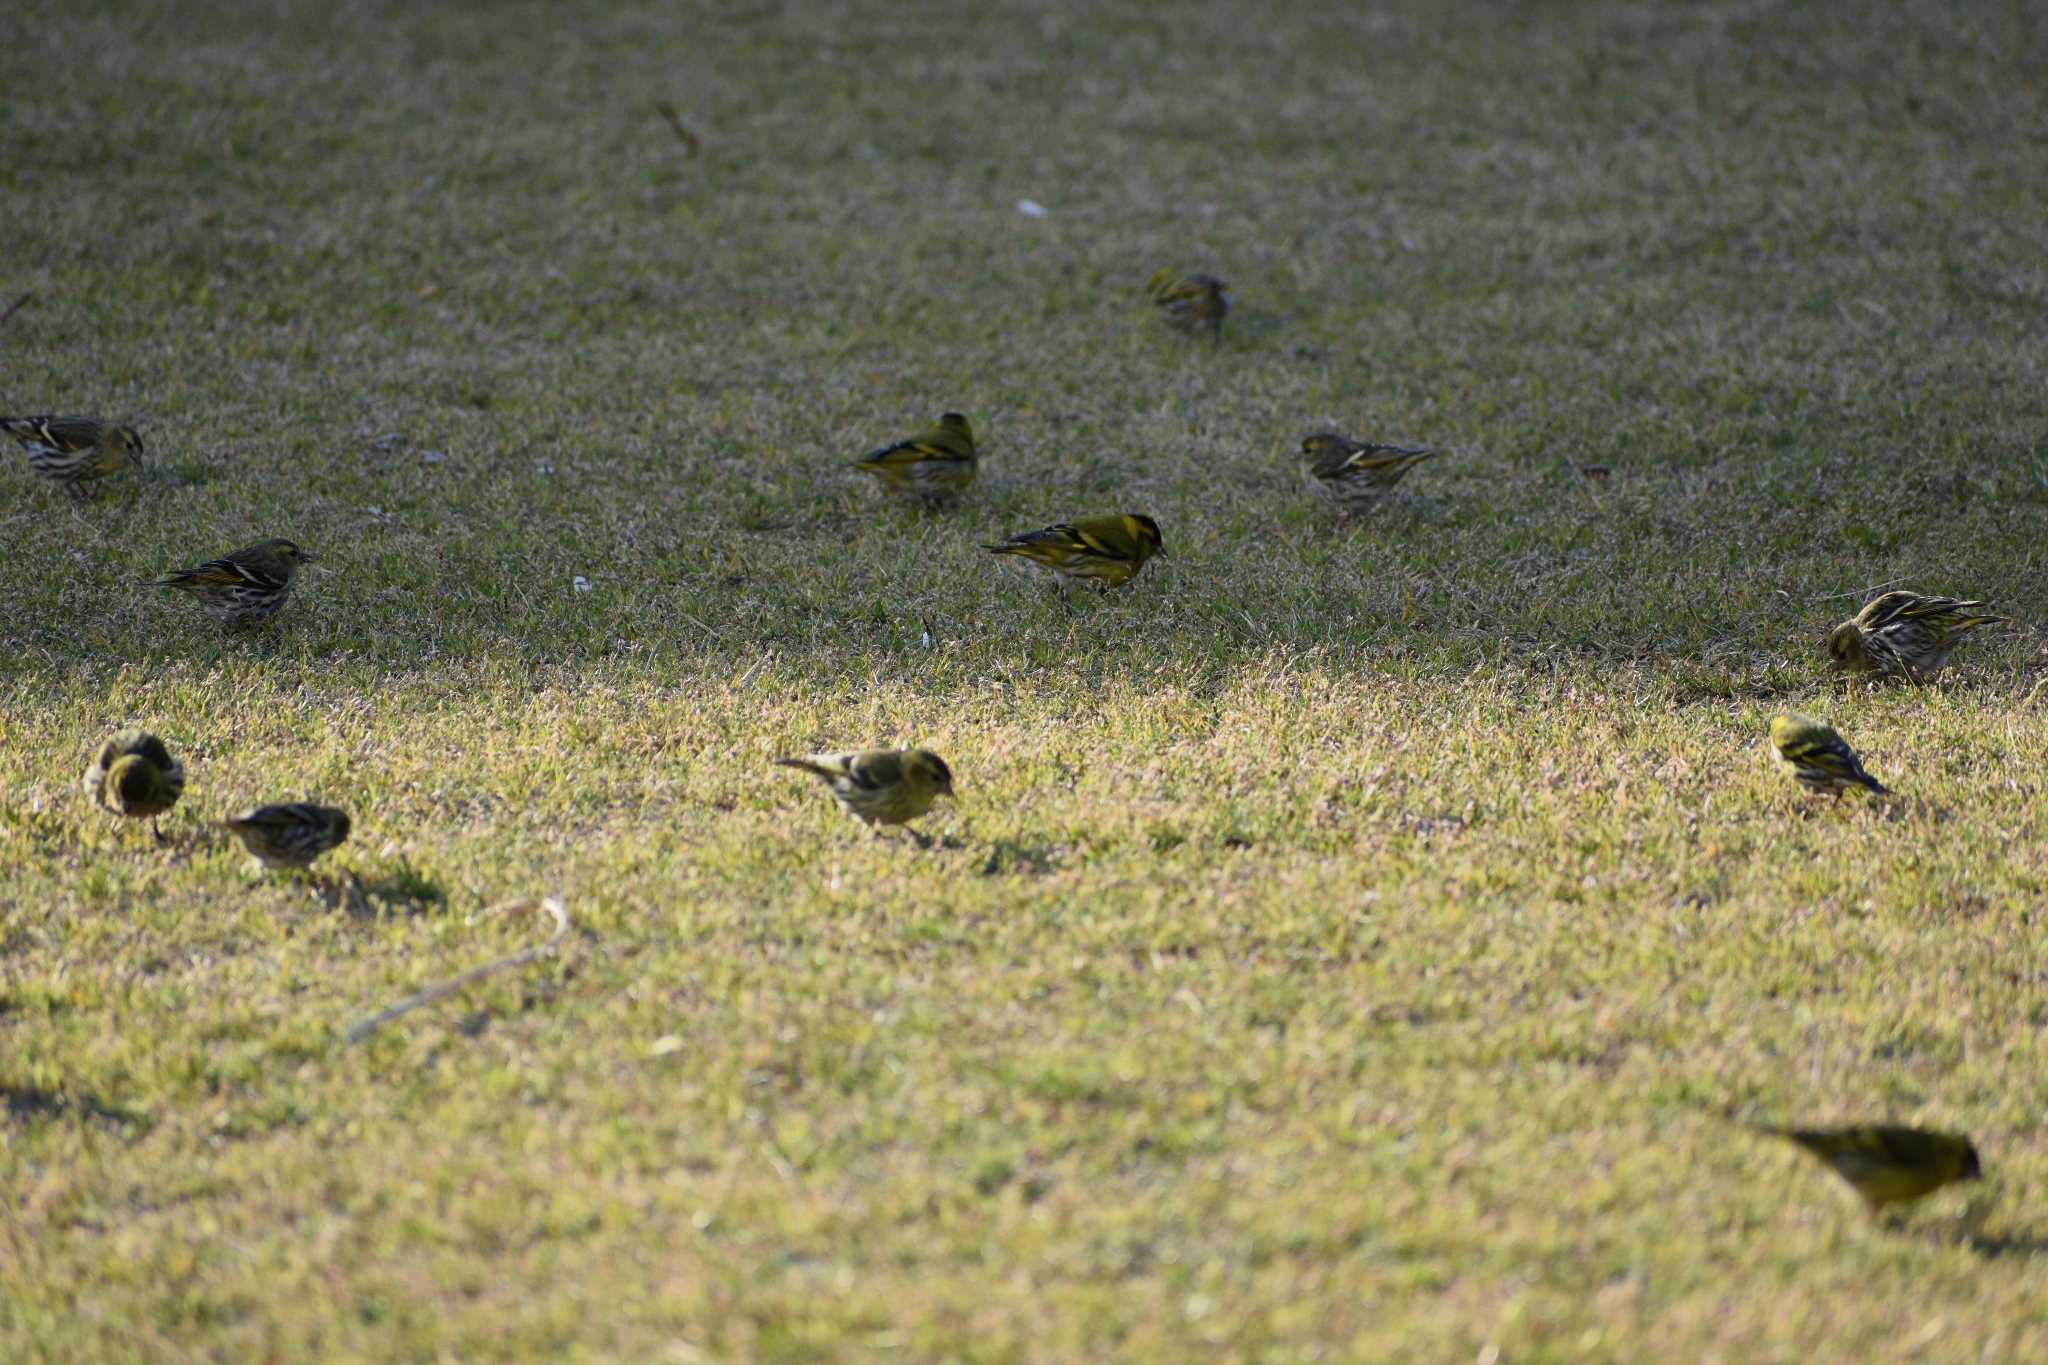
<point>1031,208</point>
<point>581,584</point>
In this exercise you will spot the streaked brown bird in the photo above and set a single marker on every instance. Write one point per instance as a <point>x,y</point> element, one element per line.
<point>1888,1166</point>
<point>1192,303</point>
<point>245,588</point>
<point>73,451</point>
<point>1905,634</point>
<point>135,775</point>
<point>1106,551</point>
<point>931,468</point>
<point>1355,475</point>
<point>880,786</point>
<point>290,835</point>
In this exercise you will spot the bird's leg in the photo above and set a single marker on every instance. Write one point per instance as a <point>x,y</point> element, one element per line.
<point>154,829</point>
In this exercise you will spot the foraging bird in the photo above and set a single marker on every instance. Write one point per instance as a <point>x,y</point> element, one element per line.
<point>136,776</point>
<point>1355,475</point>
<point>1191,303</point>
<point>245,588</point>
<point>1889,1165</point>
<point>290,835</point>
<point>881,786</point>
<point>1104,550</point>
<point>72,451</point>
<point>1904,634</point>
<point>1818,757</point>
<point>932,468</point>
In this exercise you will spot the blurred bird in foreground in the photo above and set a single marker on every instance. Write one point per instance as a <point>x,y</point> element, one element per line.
<point>1904,634</point>
<point>72,451</point>
<point>1818,757</point>
<point>1355,475</point>
<point>245,588</point>
<point>290,835</point>
<point>1191,303</point>
<point>881,786</point>
<point>136,776</point>
<point>1105,550</point>
<point>1889,1165</point>
<point>932,468</point>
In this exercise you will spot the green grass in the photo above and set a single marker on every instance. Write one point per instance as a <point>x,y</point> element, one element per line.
<point>1347,939</point>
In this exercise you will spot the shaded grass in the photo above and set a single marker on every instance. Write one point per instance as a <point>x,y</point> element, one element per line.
<point>1348,939</point>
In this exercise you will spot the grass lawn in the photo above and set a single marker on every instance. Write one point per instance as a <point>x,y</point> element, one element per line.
<point>1351,940</point>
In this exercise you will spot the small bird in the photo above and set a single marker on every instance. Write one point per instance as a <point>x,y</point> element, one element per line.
<point>245,588</point>
<point>290,835</point>
<point>932,468</point>
<point>1818,757</point>
<point>881,786</point>
<point>1104,550</point>
<point>1904,634</point>
<point>1355,475</point>
<point>72,451</point>
<point>1889,1165</point>
<point>136,776</point>
<point>1192,303</point>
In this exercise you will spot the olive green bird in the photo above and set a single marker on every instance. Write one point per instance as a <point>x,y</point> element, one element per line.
<point>1355,475</point>
<point>1819,758</point>
<point>1192,303</point>
<point>1888,1165</point>
<point>135,775</point>
<point>931,468</point>
<point>73,451</point>
<point>291,834</point>
<point>880,786</point>
<point>1904,634</point>
<point>1106,551</point>
<point>242,589</point>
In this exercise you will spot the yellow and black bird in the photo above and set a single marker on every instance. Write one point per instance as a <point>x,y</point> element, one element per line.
<point>1355,475</point>
<point>1192,303</point>
<point>73,451</point>
<point>135,775</point>
<point>1904,634</point>
<point>290,834</point>
<point>880,786</point>
<point>932,468</point>
<point>1105,551</point>
<point>1889,1166</point>
<point>1820,759</point>
<point>241,589</point>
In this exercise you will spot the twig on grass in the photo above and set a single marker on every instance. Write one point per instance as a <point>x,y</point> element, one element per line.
<point>14,308</point>
<point>559,912</point>
<point>692,144</point>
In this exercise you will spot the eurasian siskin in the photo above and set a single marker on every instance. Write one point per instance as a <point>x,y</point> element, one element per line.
<point>931,468</point>
<point>1355,475</point>
<point>880,786</point>
<point>1103,550</point>
<point>1192,303</point>
<point>72,451</point>
<point>1889,1165</point>
<point>1904,634</point>
<point>244,588</point>
<point>1819,758</point>
<point>135,775</point>
<point>291,834</point>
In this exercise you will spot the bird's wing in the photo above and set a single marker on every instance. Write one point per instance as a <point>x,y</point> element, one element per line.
<point>66,434</point>
<point>876,770</point>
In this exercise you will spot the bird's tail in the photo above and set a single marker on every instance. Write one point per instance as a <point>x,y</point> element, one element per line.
<point>805,764</point>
